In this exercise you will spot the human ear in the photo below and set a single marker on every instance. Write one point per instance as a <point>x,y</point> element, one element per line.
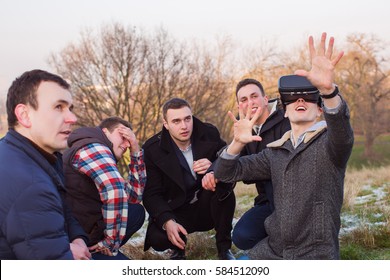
<point>22,114</point>
<point>105,130</point>
<point>320,111</point>
<point>165,124</point>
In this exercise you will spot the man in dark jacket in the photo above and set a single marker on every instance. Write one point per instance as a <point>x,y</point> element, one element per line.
<point>270,126</point>
<point>176,160</point>
<point>307,166</point>
<point>106,205</point>
<point>35,222</point>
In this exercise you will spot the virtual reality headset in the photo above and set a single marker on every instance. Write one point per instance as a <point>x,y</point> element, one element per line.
<point>293,87</point>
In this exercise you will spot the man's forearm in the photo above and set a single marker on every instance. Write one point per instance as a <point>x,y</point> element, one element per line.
<point>235,148</point>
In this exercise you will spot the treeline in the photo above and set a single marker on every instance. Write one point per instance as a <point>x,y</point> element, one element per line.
<point>126,71</point>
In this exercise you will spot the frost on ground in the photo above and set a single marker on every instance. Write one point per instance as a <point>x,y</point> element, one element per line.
<point>353,221</point>
<point>350,221</point>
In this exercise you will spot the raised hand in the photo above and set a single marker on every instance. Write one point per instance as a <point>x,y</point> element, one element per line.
<point>321,74</point>
<point>243,129</point>
<point>129,135</point>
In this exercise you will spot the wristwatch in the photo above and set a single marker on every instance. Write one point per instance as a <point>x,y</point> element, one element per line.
<point>333,94</point>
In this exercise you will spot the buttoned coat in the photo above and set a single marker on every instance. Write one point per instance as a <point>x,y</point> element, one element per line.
<point>165,189</point>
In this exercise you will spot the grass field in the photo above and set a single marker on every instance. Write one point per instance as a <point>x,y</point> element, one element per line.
<point>365,219</point>
<point>365,229</point>
<point>381,148</point>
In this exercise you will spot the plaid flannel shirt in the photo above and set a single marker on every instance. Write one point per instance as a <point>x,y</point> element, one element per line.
<point>98,162</point>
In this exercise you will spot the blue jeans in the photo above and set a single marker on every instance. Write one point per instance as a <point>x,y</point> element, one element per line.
<point>136,218</point>
<point>249,230</point>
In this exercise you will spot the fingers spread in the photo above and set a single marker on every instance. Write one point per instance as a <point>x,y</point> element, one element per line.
<point>321,49</point>
<point>232,117</point>
<point>337,59</point>
<point>311,47</point>
<point>329,51</point>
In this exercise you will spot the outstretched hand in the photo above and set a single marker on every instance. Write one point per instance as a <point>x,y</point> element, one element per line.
<point>321,74</point>
<point>243,129</point>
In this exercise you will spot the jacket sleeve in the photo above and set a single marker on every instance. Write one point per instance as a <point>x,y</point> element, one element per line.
<point>35,225</point>
<point>223,189</point>
<point>229,169</point>
<point>154,194</point>
<point>74,229</point>
<point>340,139</point>
<point>136,179</point>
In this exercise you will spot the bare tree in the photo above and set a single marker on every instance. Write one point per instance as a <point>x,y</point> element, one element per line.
<point>161,73</point>
<point>208,83</point>
<point>121,71</point>
<point>366,78</point>
<point>102,71</point>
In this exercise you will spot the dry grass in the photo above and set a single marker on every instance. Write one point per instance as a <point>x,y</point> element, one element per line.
<point>245,195</point>
<point>136,252</point>
<point>241,189</point>
<point>355,180</point>
<point>366,197</point>
<point>201,246</point>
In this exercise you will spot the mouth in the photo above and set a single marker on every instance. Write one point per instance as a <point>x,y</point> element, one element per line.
<point>254,109</point>
<point>300,109</point>
<point>66,132</point>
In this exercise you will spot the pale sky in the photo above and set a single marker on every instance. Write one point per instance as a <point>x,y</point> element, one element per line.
<point>32,29</point>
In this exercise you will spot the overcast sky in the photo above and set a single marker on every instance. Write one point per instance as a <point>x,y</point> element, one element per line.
<point>32,29</point>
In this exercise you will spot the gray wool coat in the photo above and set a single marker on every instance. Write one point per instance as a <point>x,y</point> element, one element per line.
<point>308,189</point>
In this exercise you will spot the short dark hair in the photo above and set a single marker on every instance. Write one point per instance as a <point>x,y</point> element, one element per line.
<point>112,122</point>
<point>24,91</point>
<point>174,103</point>
<point>249,81</point>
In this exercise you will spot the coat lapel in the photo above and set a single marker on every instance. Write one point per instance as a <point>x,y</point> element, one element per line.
<point>168,160</point>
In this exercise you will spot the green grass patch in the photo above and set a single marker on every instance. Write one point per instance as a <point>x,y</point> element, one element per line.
<point>365,192</point>
<point>368,237</point>
<point>358,252</point>
<point>381,149</point>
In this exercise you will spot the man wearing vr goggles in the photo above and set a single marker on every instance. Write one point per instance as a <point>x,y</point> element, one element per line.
<point>307,165</point>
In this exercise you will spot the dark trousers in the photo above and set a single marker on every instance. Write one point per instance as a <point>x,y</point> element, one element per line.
<point>249,230</point>
<point>136,218</point>
<point>207,213</point>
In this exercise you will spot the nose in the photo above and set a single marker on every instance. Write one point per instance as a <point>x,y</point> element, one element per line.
<point>126,144</point>
<point>183,124</point>
<point>70,117</point>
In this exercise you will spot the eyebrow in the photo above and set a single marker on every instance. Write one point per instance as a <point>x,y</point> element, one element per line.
<point>252,94</point>
<point>179,119</point>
